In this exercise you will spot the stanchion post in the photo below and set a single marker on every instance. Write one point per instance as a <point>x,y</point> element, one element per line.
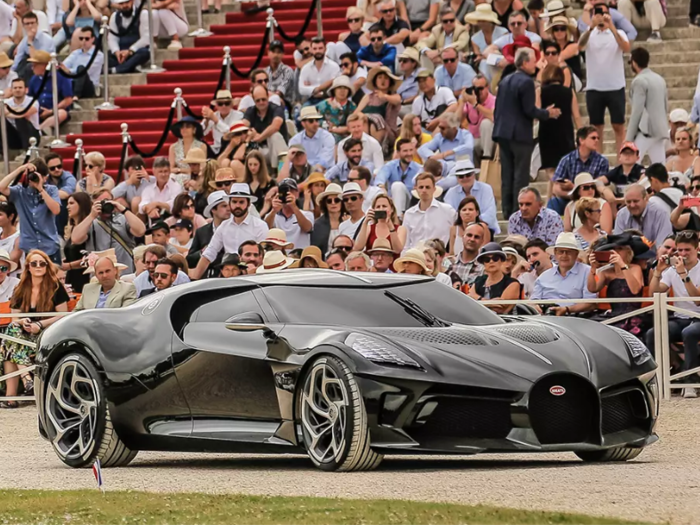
<point>57,142</point>
<point>271,23</point>
<point>227,65</point>
<point>3,130</point>
<point>200,31</point>
<point>665,348</point>
<point>79,157</point>
<point>154,67</point>
<point>104,30</point>
<point>178,103</point>
<point>319,19</point>
<point>33,151</point>
<point>125,133</point>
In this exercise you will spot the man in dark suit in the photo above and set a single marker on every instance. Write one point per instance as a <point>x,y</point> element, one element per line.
<point>515,111</point>
<point>219,211</point>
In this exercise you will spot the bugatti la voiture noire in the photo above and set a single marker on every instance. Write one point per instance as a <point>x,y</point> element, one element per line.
<point>346,367</point>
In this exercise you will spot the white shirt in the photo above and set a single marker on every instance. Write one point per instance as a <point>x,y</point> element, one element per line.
<point>6,19</point>
<point>671,279</point>
<point>7,287</point>
<point>435,222</point>
<point>371,151</point>
<point>360,73</point>
<point>349,228</point>
<point>503,41</point>
<point>230,235</point>
<point>605,65</point>
<point>675,194</point>
<point>311,77</point>
<point>54,11</point>
<point>34,119</point>
<point>293,230</point>
<point>248,102</point>
<point>153,194</point>
<point>426,109</point>
<point>222,126</point>
<point>370,193</point>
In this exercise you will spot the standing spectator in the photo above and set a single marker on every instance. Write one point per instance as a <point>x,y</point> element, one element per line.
<point>34,40</point>
<point>26,126</point>
<point>108,291</point>
<point>78,60</point>
<point>353,157</point>
<point>476,106</point>
<point>449,144</point>
<point>362,176</point>
<point>648,127</point>
<point>467,213</point>
<point>130,49</point>
<point>433,102</point>
<point>145,280</point>
<point>454,74</point>
<point>159,197</point>
<point>219,122</point>
<point>336,109</point>
<point>562,51</point>
<point>654,221</point>
<point>605,72</point>
<point>287,216</point>
<point>465,173</point>
<point>37,204</point>
<point>78,206</point>
<point>381,223</point>
<point>429,219</point>
<point>318,143</point>
<point>397,176</point>
<point>377,53</point>
<point>621,23</point>
<point>95,177</point>
<point>532,220</point>
<point>645,14</point>
<point>371,149</point>
<point>8,283</point>
<point>130,190</point>
<point>281,75</point>
<point>327,226</point>
<point>466,265</point>
<point>218,210</point>
<point>449,32</point>
<point>170,21</point>
<point>514,114</point>
<point>267,121</point>
<point>317,76</point>
<point>39,62</point>
<point>353,200</point>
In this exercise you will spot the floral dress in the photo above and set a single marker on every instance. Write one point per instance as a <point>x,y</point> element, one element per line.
<point>335,114</point>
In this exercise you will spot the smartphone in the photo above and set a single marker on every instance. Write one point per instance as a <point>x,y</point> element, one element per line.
<point>602,257</point>
<point>689,202</point>
<point>598,11</point>
<point>380,214</point>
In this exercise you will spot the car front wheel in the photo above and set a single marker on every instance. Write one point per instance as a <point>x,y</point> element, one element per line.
<point>610,454</point>
<point>78,422</point>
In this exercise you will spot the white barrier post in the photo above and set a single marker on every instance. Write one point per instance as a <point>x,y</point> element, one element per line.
<point>33,151</point>
<point>227,65</point>
<point>3,130</point>
<point>178,103</point>
<point>79,157</point>
<point>56,142</point>
<point>154,67</point>
<point>125,133</point>
<point>271,23</point>
<point>106,104</point>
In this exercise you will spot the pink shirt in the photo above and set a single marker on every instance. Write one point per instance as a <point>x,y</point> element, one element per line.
<point>474,117</point>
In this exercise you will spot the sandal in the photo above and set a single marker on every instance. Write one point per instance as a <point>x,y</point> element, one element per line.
<point>29,388</point>
<point>9,404</point>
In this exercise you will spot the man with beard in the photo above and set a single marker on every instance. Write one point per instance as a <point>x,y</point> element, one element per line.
<point>281,76</point>
<point>353,153</point>
<point>267,122</point>
<point>397,175</point>
<point>130,49</point>
<point>317,76</point>
<point>357,74</point>
<point>377,53</point>
<point>466,265</point>
<point>146,280</point>
<point>232,232</point>
<point>371,149</point>
<point>164,276</point>
<point>251,253</point>
<point>219,211</point>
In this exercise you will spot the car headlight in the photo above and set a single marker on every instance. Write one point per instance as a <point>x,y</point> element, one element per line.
<point>378,351</point>
<point>640,352</point>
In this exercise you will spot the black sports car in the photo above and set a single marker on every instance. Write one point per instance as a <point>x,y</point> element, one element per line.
<point>347,367</point>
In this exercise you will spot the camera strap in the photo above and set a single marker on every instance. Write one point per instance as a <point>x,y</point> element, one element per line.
<point>115,235</point>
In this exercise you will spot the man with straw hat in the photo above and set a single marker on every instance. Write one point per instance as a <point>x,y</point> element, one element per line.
<point>218,211</point>
<point>108,291</point>
<point>7,74</point>
<point>318,143</point>
<point>218,122</point>
<point>382,256</point>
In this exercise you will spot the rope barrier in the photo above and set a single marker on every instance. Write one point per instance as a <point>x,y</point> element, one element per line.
<point>136,20</point>
<point>304,27</point>
<point>263,47</point>
<point>44,80</point>
<point>163,137</point>
<point>190,112</point>
<point>122,158</point>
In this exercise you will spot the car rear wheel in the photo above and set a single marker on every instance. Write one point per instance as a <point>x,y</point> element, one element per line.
<point>333,418</point>
<point>78,422</point>
<point>610,454</point>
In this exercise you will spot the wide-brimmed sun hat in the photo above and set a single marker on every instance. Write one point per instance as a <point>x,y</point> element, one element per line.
<point>314,178</point>
<point>277,237</point>
<point>274,262</point>
<point>341,81</point>
<point>331,189</point>
<point>559,21</point>
<point>4,256</point>
<point>177,127</point>
<point>241,189</point>
<point>413,255</point>
<point>310,113</point>
<point>483,13</point>
<point>383,69</point>
<point>381,246</point>
<point>553,8</point>
<point>464,167</point>
<point>410,53</point>
<point>581,179</point>
<point>567,241</point>
<point>195,156</point>
<point>491,248</point>
<point>509,250</point>
<point>310,252</point>
<point>215,198</point>
<point>519,42</point>
<point>5,61</point>
<point>352,188</point>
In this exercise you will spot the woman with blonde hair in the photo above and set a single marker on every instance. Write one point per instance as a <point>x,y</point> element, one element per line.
<point>685,161</point>
<point>412,130</point>
<point>588,211</point>
<point>355,38</point>
<point>38,291</point>
<point>381,222</point>
<point>560,30</point>
<point>208,177</point>
<point>94,178</point>
<point>431,261</point>
<point>258,179</point>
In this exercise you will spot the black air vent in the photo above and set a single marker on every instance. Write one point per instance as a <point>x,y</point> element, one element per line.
<point>529,333</point>
<point>440,336</point>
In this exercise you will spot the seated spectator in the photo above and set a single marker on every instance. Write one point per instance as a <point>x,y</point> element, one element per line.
<point>382,105</point>
<point>77,61</point>
<point>627,171</point>
<point>164,276</point>
<point>158,198</point>
<point>371,149</point>
<point>468,212</point>
<point>233,154</point>
<point>311,257</point>
<point>130,50</point>
<point>95,178</point>
<point>251,253</point>
<point>258,77</point>
<point>23,7</point>
<point>7,74</point>
<point>38,291</point>
<point>336,260</point>
<point>584,158</point>
<point>8,283</point>
<point>561,32</point>
<point>232,266</point>
<point>421,15</point>
<point>432,263</point>
<point>567,279</point>
<point>685,160</point>
<point>276,240</point>
<point>267,121</point>
<point>62,179</point>
<point>183,208</point>
<point>362,176</point>
<point>145,281</point>
<point>37,204</point>
<point>312,188</point>
<point>654,221</point>
<point>539,261</point>
<point>680,118</point>
<point>357,74</point>
<point>536,22</point>
<point>258,180</point>
<point>327,226</point>
<point>396,29</point>
<point>476,107</point>
<point>21,128</point>
<point>397,176</point>
<point>412,130</point>
<point>317,75</point>
<point>190,135</point>
<point>429,218</point>
<point>353,157</point>
<point>79,15</point>
<point>218,123</point>
<point>9,232</point>
<point>281,76</point>
<point>433,102</point>
<point>181,236</point>
<point>680,275</point>
<point>490,30</point>
<point>449,32</point>
<point>381,223</point>
<point>409,63</point>
<point>274,262</point>
<point>358,262</point>
<point>645,14</point>
<point>78,206</point>
<point>302,52</point>
<point>382,256</point>
<point>465,173</point>
<point>353,39</point>
<point>517,23</point>
<point>448,145</point>
<point>377,53</point>
<point>195,159</point>
<point>170,22</point>
<point>318,143</point>
<point>585,186</point>
<point>412,262</point>
<point>108,291</point>
<point>466,266</point>
<point>130,190</point>
<point>532,220</point>
<point>353,201</point>
<point>39,62</point>
<point>493,283</point>
<point>684,217</point>
<point>588,211</point>
<point>336,109</point>
<point>454,74</point>
<point>663,193</point>
<point>287,216</point>
<point>296,165</point>
<point>33,41</point>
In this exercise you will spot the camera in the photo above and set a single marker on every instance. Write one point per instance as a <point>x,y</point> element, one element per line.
<point>282,193</point>
<point>469,90</point>
<point>34,177</point>
<point>107,208</point>
<point>599,11</point>
<point>380,214</point>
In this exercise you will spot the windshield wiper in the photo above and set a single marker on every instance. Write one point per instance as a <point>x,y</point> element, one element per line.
<point>418,312</point>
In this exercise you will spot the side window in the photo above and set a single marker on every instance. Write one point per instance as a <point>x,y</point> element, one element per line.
<point>242,307</point>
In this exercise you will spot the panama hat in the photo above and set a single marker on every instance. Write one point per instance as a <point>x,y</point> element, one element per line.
<point>215,198</point>
<point>5,61</point>
<point>309,113</point>
<point>352,188</point>
<point>555,7</point>
<point>277,237</point>
<point>559,21</point>
<point>413,255</point>
<point>195,156</point>
<point>92,259</point>
<point>566,240</point>
<point>509,250</point>
<point>464,167</point>
<point>381,246</point>
<point>241,189</point>
<point>274,262</point>
<point>4,256</point>
<point>580,180</point>
<point>491,248</point>
<point>514,238</point>
<point>177,127</point>
<point>331,189</point>
<point>341,81</point>
<point>40,57</point>
<point>410,53</point>
<point>482,13</point>
<point>311,252</point>
<point>314,178</point>
<point>383,69</point>
<point>223,94</point>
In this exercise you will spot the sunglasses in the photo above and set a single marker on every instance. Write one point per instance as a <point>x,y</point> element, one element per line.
<point>390,10</point>
<point>257,100</point>
<point>464,175</point>
<point>56,168</point>
<point>333,200</point>
<point>687,234</point>
<point>448,20</point>
<point>587,187</point>
<point>404,60</point>
<point>223,184</point>
<point>449,60</point>
<point>376,39</point>
<point>343,248</point>
<point>354,180</point>
<point>492,258</point>
<point>84,38</point>
<point>594,211</point>
<point>345,64</point>
<point>160,275</point>
<point>354,20</point>
<point>238,133</point>
<point>559,29</point>
<point>594,137</point>
<point>305,49</point>
<point>696,188</point>
<point>223,103</point>
<point>90,166</point>
<point>352,198</point>
<point>262,81</point>
<point>38,264</point>
<point>4,268</point>
<point>551,53</point>
<point>188,206</point>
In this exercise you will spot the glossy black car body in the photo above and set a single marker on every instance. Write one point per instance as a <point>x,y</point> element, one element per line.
<point>216,366</point>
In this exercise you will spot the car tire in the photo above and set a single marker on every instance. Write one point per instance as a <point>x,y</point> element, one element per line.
<point>78,422</point>
<point>332,419</point>
<point>610,454</point>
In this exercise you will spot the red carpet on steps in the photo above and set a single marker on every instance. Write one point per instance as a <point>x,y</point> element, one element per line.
<point>196,72</point>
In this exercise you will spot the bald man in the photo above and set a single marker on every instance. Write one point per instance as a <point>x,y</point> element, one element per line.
<point>108,291</point>
<point>652,219</point>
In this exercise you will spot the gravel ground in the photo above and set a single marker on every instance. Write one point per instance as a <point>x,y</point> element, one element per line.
<point>662,485</point>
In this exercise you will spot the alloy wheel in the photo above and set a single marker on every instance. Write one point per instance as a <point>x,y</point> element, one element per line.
<point>71,406</point>
<point>324,406</point>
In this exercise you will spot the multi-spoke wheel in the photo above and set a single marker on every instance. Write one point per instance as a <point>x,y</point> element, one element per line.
<point>77,416</point>
<point>610,454</point>
<point>333,419</point>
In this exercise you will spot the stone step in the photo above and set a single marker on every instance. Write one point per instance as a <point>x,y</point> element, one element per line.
<point>672,104</point>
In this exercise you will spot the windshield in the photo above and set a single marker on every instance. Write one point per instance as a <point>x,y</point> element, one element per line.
<point>365,307</point>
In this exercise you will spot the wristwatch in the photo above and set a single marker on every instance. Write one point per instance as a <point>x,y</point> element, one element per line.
<point>686,279</point>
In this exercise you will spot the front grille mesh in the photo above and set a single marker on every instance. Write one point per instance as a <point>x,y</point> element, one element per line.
<point>440,336</point>
<point>529,333</point>
<point>623,411</point>
<point>466,418</point>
